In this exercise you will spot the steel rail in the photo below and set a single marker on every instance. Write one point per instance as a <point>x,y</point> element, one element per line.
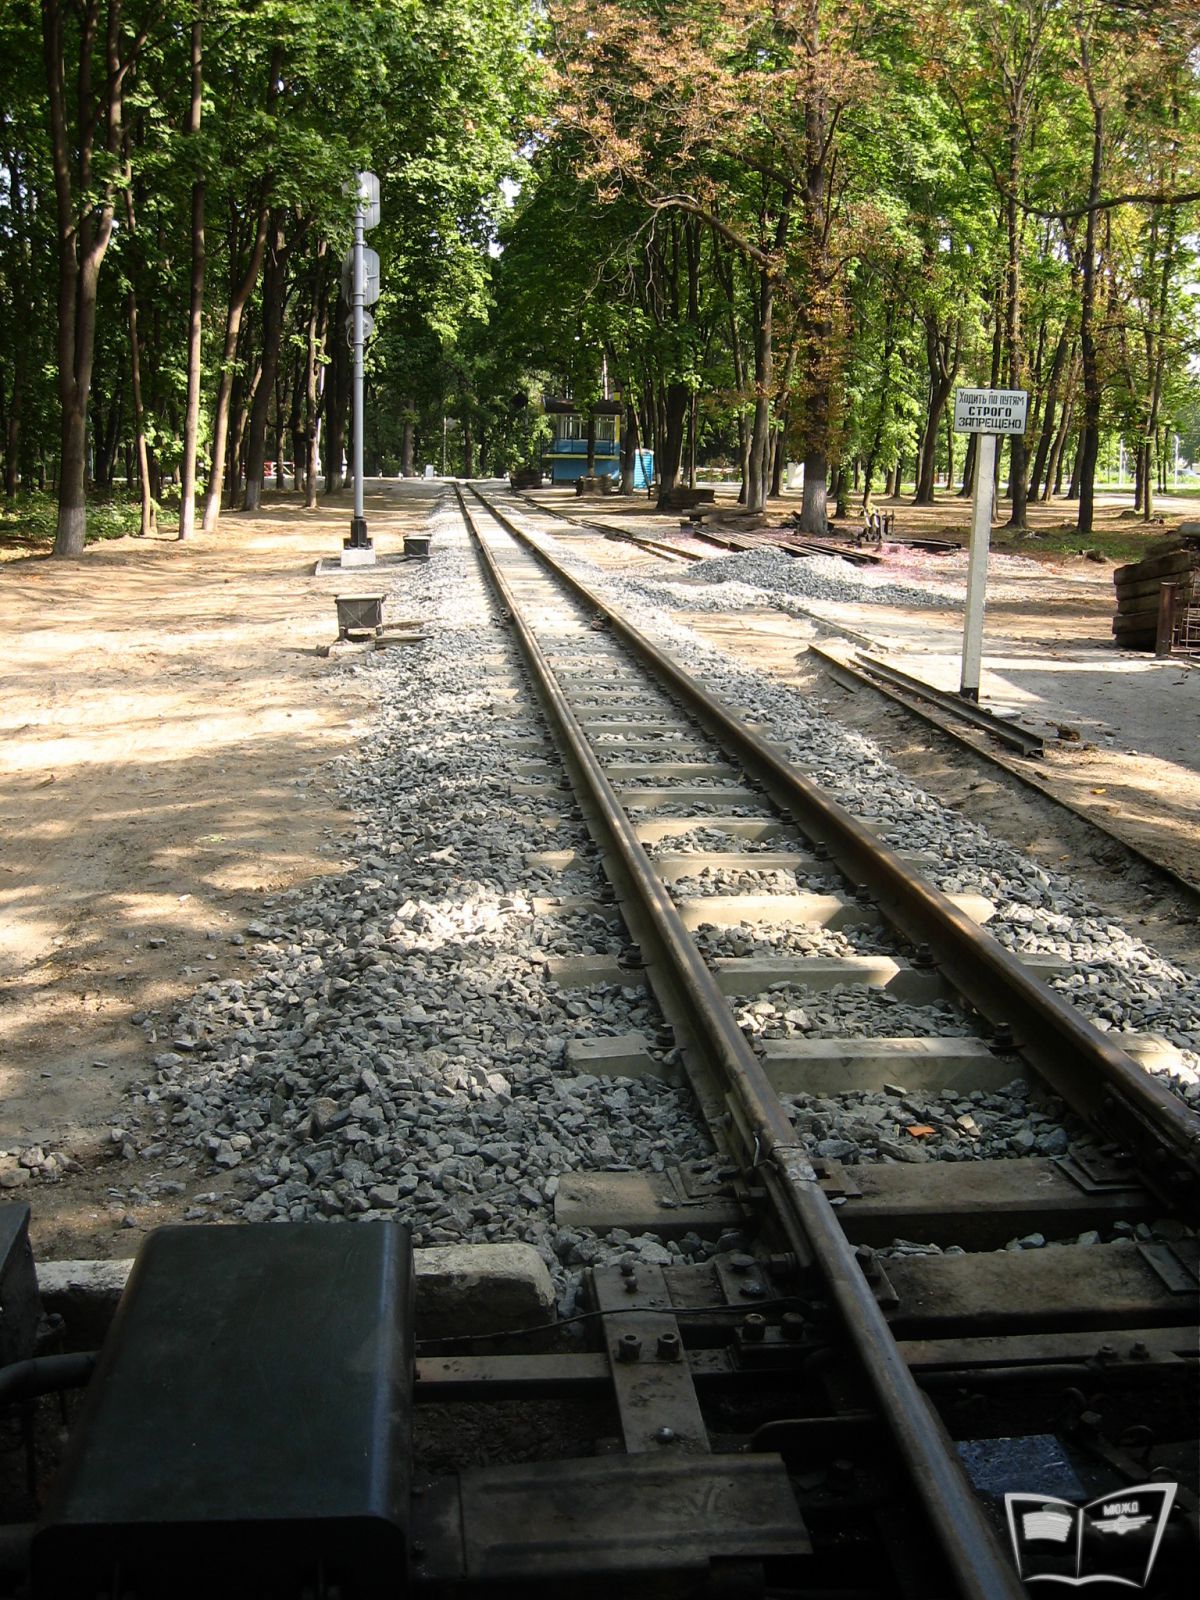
<point>1099,1080</point>
<point>981,1569</point>
<point>1021,739</point>
<point>847,673</point>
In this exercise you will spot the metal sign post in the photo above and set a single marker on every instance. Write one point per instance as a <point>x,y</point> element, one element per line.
<point>986,413</point>
<point>364,291</point>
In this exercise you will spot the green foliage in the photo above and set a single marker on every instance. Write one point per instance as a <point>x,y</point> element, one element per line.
<point>28,521</point>
<point>584,190</point>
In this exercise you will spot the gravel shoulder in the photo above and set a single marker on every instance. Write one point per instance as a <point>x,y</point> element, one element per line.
<point>167,728</point>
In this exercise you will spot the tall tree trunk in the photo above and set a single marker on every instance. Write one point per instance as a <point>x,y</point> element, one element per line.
<point>756,497</point>
<point>148,522</point>
<point>1046,435</point>
<point>241,427</point>
<point>1083,476</point>
<point>240,291</point>
<point>337,395</point>
<point>84,211</point>
<point>274,283</point>
<point>1077,465</point>
<point>942,371</point>
<point>12,441</point>
<point>1013,332</point>
<point>406,438</point>
<point>670,455</point>
<point>318,319</point>
<point>883,402</point>
<point>195,345</point>
<point>1052,482</point>
<point>949,453</point>
<point>778,458</point>
<point>1156,343</point>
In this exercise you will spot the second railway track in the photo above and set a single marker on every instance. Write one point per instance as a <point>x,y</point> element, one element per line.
<point>713,841</point>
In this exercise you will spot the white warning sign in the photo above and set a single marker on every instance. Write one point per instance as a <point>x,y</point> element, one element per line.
<point>990,410</point>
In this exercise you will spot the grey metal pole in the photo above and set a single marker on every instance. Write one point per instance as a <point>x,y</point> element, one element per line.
<point>358,525</point>
<point>981,537</point>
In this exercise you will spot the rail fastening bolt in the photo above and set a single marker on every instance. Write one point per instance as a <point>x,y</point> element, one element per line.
<point>668,1347</point>
<point>754,1328</point>
<point>629,1347</point>
<point>868,1263</point>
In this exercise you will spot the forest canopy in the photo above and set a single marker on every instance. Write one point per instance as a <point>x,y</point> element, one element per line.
<point>771,231</point>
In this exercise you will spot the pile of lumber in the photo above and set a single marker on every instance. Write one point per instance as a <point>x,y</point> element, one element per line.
<point>1176,560</point>
<point>681,498</point>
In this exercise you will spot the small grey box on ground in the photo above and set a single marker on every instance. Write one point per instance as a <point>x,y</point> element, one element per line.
<point>359,615</point>
<point>247,1430</point>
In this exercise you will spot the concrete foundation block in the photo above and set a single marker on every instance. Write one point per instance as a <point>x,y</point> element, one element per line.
<point>462,1288</point>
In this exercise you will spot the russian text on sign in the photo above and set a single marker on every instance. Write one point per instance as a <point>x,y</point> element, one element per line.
<point>990,410</point>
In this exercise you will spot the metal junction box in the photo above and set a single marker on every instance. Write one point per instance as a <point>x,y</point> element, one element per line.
<point>247,1431</point>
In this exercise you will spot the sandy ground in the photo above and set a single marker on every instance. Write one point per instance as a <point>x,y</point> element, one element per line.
<point>168,731</point>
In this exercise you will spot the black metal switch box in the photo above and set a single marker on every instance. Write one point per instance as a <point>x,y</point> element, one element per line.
<point>247,1430</point>
<point>20,1306</point>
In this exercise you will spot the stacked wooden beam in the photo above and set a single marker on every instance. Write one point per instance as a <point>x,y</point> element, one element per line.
<point>1139,586</point>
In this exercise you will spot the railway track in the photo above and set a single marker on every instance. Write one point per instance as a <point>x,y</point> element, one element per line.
<point>859,1225</point>
<point>662,774</point>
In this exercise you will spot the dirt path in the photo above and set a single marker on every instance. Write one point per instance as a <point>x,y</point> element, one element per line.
<point>167,728</point>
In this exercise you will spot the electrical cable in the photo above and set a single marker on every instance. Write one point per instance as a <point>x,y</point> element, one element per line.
<point>790,1301</point>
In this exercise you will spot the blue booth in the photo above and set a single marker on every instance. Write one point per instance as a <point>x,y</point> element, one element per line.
<point>565,459</point>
